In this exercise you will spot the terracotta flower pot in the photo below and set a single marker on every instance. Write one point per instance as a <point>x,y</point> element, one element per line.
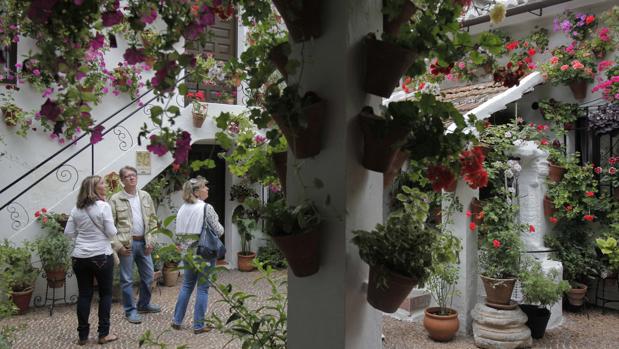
<point>170,276</point>
<point>281,160</point>
<point>302,18</point>
<point>379,150</point>
<point>198,119</point>
<point>305,142</point>
<point>441,328</point>
<point>392,27</point>
<point>475,209</point>
<point>22,300</point>
<point>555,173</point>
<point>549,207</point>
<point>301,251</point>
<point>576,295</point>
<point>395,167</point>
<point>385,65</point>
<point>498,291</point>
<point>277,55</point>
<point>579,88</point>
<point>55,278</point>
<point>388,299</point>
<point>244,261</point>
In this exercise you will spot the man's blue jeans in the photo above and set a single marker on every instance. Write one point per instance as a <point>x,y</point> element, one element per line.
<point>190,278</point>
<point>145,269</point>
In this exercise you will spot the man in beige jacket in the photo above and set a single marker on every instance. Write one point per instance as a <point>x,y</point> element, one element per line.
<point>134,216</point>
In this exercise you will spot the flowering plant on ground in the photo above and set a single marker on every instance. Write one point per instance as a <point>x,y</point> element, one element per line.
<point>570,63</point>
<point>577,26</point>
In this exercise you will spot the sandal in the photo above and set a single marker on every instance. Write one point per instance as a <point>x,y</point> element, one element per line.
<point>107,339</point>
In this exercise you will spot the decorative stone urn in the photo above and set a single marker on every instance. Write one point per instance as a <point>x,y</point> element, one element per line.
<point>505,329</point>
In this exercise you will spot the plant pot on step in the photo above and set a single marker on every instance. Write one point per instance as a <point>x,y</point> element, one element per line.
<point>579,88</point>
<point>278,55</point>
<point>537,319</point>
<point>302,18</point>
<point>576,295</point>
<point>170,276</point>
<point>379,148</point>
<point>305,142</point>
<point>385,65</point>
<point>301,251</point>
<point>55,278</point>
<point>555,173</point>
<point>389,298</point>
<point>244,261</point>
<point>281,161</point>
<point>549,207</point>
<point>441,328</point>
<point>395,167</point>
<point>392,27</point>
<point>22,299</point>
<point>498,291</point>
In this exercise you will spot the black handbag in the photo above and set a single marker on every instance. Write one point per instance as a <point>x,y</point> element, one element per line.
<point>209,245</point>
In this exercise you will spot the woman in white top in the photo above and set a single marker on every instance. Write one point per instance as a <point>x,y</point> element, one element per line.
<point>92,226</point>
<point>189,220</point>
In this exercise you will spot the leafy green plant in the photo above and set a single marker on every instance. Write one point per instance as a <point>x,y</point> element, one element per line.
<point>16,266</point>
<point>444,271</point>
<point>539,288</point>
<point>270,255</point>
<point>574,194</point>
<point>264,326</point>
<point>282,219</point>
<point>610,248</point>
<point>559,113</point>
<point>245,217</point>
<point>574,247</point>
<point>54,250</point>
<point>241,191</point>
<point>405,243</point>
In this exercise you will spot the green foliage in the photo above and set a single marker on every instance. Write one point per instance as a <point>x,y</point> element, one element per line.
<point>264,326</point>
<point>574,245</point>
<point>282,219</point>
<point>404,244</point>
<point>245,217</point>
<point>559,113</point>
<point>569,195</point>
<point>270,255</point>
<point>609,248</point>
<point>538,288</point>
<point>54,250</point>
<point>16,266</point>
<point>149,340</point>
<point>444,271</point>
<point>241,191</point>
<point>499,254</point>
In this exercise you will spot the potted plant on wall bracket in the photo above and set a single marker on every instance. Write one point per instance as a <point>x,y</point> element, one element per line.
<point>198,108</point>
<point>540,292</point>
<point>240,192</point>
<point>399,253</point>
<point>278,55</point>
<point>295,230</point>
<point>245,217</point>
<point>300,118</point>
<point>572,65</point>
<point>564,115</point>
<point>302,17</point>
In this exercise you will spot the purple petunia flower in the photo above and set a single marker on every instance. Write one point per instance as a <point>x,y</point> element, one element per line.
<point>97,42</point>
<point>96,134</point>
<point>50,110</point>
<point>150,17</point>
<point>40,10</point>
<point>155,147</point>
<point>134,56</point>
<point>111,18</point>
<point>183,145</point>
<point>566,26</point>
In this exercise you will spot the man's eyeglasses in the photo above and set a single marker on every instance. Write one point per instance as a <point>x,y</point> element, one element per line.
<point>131,176</point>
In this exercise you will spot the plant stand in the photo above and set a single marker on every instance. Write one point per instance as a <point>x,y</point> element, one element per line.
<point>40,302</point>
<point>493,328</point>
<point>604,300</point>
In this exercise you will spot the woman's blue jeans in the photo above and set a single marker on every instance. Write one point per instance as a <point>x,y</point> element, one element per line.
<point>190,279</point>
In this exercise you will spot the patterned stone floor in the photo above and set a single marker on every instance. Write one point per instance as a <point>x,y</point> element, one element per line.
<point>591,329</point>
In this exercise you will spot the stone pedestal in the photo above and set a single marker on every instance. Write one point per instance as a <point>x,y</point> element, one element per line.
<point>500,329</point>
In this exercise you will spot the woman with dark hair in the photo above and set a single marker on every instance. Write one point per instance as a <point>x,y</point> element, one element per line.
<point>91,226</point>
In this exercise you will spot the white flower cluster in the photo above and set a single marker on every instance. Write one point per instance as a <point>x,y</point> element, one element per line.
<point>217,72</point>
<point>514,168</point>
<point>431,88</point>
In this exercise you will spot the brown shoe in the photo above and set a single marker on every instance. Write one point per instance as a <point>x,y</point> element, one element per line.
<point>82,341</point>
<point>202,330</point>
<point>107,339</point>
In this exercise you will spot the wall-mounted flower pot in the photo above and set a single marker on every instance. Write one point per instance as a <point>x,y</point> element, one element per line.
<point>198,119</point>
<point>555,173</point>
<point>22,300</point>
<point>302,18</point>
<point>498,291</point>
<point>281,160</point>
<point>385,65</point>
<point>395,167</point>
<point>576,295</point>
<point>279,57</point>
<point>55,278</point>
<point>549,207</point>
<point>244,261</point>
<point>537,319</point>
<point>388,299</point>
<point>441,328</point>
<point>392,27</point>
<point>579,88</point>
<point>379,149</point>
<point>301,251</point>
<point>305,142</point>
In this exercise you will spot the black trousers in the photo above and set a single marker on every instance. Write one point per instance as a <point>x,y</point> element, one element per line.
<point>100,267</point>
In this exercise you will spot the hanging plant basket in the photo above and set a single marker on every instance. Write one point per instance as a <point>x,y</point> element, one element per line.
<point>498,291</point>
<point>385,64</point>
<point>281,160</point>
<point>55,278</point>
<point>305,142</point>
<point>379,150</point>
<point>388,299</point>
<point>555,173</point>
<point>302,18</point>
<point>301,251</point>
<point>579,89</point>
<point>549,207</point>
<point>279,58</point>
<point>392,27</point>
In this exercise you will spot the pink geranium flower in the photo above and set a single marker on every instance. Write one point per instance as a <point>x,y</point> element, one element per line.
<point>565,67</point>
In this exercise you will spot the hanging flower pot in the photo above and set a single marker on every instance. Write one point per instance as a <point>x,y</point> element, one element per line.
<point>392,27</point>
<point>302,18</point>
<point>388,298</point>
<point>385,64</point>
<point>537,319</point>
<point>301,251</point>
<point>278,55</point>
<point>21,299</point>
<point>555,173</point>
<point>55,278</point>
<point>441,328</point>
<point>395,167</point>
<point>380,142</point>
<point>579,88</point>
<point>244,261</point>
<point>280,160</point>
<point>498,291</point>
<point>549,207</point>
<point>306,141</point>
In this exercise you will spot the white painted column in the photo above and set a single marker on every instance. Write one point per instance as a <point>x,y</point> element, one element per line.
<point>329,309</point>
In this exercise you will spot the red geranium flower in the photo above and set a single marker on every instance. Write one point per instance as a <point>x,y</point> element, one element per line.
<point>44,210</point>
<point>568,207</point>
<point>531,228</point>
<point>468,213</point>
<point>588,217</point>
<point>531,52</point>
<point>37,214</point>
<point>589,19</point>
<point>598,170</point>
<point>472,226</point>
<point>590,194</point>
<point>512,45</point>
<point>44,219</point>
<point>612,170</point>
<point>440,177</point>
<point>496,243</point>
<point>553,220</point>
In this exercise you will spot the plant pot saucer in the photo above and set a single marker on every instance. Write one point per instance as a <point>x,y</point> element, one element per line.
<point>511,306</point>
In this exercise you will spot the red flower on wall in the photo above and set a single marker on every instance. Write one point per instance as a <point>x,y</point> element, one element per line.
<point>472,168</point>
<point>496,243</point>
<point>553,220</point>
<point>531,228</point>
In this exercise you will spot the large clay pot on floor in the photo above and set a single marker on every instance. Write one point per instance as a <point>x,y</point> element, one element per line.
<point>441,328</point>
<point>301,251</point>
<point>537,319</point>
<point>55,278</point>
<point>22,299</point>
<point>244,261</point>
<point>388,299</point>
<point>170,276</point>
<point>576,295</point>
<point>498,291</point>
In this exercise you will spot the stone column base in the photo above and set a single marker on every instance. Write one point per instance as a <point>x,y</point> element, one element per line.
<point>500,329</point>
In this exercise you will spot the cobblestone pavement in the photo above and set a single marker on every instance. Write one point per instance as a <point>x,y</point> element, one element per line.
<point>590,330</point>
